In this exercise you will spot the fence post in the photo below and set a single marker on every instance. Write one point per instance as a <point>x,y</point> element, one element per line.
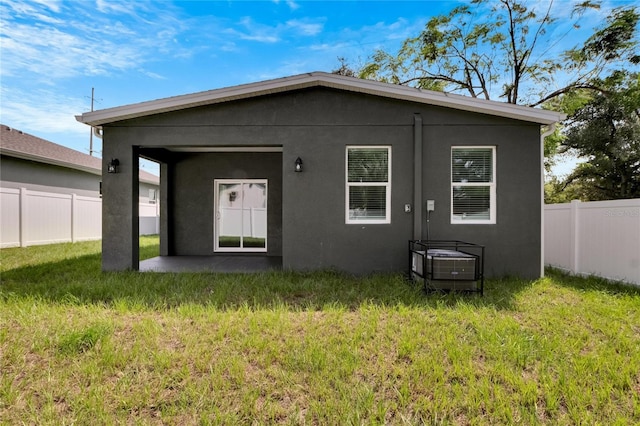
<point>74,219</point>
<point>157,206</point>
<point>23,217</point>
<point>252,218</point>
<point>575,237</point>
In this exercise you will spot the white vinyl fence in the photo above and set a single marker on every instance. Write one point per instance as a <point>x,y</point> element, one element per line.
<point>149,219</point>
<point>594,238</point>
<point>34,218</point>
<point>248,222</point>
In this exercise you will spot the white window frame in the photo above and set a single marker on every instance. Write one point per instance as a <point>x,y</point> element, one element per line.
<point>216,226</point>
<point>387,185</point>
<point>455,219</point>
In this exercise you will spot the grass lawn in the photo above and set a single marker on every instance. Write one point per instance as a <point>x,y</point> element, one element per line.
<point>224,241</point>
<point>81,346</point>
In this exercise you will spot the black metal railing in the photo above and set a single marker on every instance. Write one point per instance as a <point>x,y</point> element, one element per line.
<point>447,265</point>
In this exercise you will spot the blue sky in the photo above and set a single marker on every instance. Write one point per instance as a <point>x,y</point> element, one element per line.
<point>54,52</point>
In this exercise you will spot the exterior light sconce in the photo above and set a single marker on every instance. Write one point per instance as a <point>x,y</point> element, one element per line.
<point>298,167</point>
<point>232,196</point>
<point>113,165</point>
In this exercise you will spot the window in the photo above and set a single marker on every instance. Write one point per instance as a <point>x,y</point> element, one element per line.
<point>153,196</point>
<point>368,184</point>
<point>473,185</point>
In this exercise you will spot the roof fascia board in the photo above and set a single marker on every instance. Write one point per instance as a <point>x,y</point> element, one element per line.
<point>501,109</point>
<point>97,118</point>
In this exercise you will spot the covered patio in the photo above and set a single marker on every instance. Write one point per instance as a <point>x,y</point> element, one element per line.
<point>224,264</point>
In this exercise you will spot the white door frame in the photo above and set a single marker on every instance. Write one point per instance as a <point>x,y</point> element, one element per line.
<point>217,216</point>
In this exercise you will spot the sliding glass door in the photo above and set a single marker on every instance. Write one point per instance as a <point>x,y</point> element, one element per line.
<point>241,215</point>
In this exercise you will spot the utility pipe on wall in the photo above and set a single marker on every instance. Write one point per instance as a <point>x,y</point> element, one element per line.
<point>417,177</point>
<point>543,136</point>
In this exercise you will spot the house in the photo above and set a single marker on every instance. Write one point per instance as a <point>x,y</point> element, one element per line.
<point>40,165</point>
<point>333,172</point>
<point>49,175</point>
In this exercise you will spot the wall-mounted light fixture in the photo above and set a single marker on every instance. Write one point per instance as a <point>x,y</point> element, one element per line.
<point>113,165</point>
<point>298,164</point>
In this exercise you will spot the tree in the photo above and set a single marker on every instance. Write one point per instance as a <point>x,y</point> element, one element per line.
<point>512,54</point>
<point>606,132</point>
<point>557,192</point>
<point>506,53</point>
<point>344,68</point>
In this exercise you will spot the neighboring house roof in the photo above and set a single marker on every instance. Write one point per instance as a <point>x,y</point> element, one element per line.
<point>320,79</point>
<point>16,143</point>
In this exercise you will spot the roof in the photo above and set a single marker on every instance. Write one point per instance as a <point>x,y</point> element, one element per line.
<point>320,79</point>
<point>16,143</point>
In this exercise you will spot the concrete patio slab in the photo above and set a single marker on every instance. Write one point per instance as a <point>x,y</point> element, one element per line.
<point>246,264</point>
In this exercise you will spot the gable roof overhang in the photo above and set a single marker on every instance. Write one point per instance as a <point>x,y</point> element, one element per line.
<point>18,144</point>
<point>320,79</point>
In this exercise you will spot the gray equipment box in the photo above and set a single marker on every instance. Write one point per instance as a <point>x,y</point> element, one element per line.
<point>446,268</point>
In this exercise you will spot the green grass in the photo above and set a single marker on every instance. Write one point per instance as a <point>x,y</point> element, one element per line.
<point>81,346</point>
<point>226,241</point>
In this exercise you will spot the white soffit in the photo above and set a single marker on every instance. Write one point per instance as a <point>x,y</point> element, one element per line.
<point>321,79</point>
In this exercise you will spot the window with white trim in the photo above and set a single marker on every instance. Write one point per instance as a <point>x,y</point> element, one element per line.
<point>368,192</point>
<point>473,184</point>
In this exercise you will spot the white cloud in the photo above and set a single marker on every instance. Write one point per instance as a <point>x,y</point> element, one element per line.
<point>382,32</point>
<point>256,32</point>
<point>80,42</point>
<point>108,7</point>
<point>50,53</point>
<point>329,47</point>
<point>228,46</point>
<point>54,5</point>
<point>261,38</point>
<point>151,74</point>
<point>42,110</point>
<point>292,4</point>
<point>304,27</point>
<point>36,9</point>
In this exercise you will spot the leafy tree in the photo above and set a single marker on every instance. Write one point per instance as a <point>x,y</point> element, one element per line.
<point>568,102</point>
<point>511,54</point>
<point>344,68</point>
<point>505,53</point>
<point>557,192</point>
<point>606,132</point>
<point>615,43</point>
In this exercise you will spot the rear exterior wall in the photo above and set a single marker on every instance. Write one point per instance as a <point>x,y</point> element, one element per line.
<point>317,125</point>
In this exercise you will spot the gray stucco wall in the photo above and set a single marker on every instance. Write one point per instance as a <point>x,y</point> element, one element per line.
<point>317,125</point>
<point>192,220</point>
<point>513,243</point>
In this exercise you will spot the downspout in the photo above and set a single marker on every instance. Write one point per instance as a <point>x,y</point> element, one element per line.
<point>417,177</point>
<point>543,136</point>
